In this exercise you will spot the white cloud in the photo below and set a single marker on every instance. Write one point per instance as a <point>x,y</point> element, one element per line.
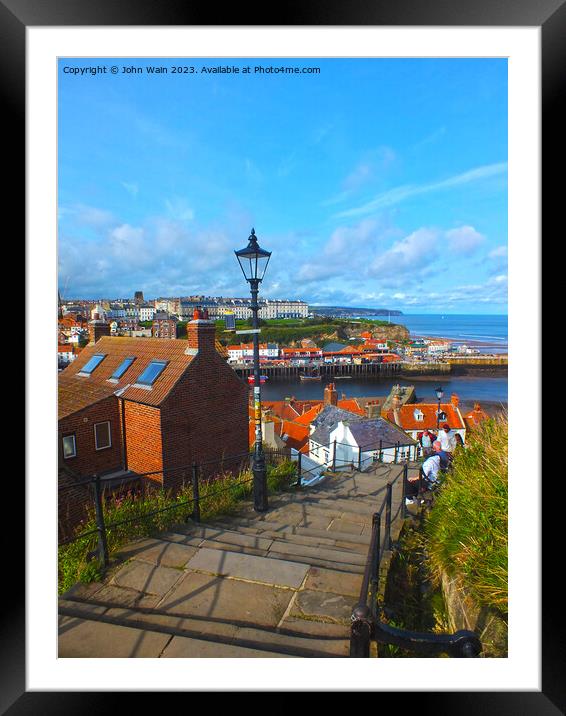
<point>179,209</point>
<point>399,194</point>
<point>464,240</point>
<point>498,253</point>
<point>410,255</point>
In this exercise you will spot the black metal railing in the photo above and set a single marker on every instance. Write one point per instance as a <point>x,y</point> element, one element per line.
<point>366,623</point>
<point>189,508</point>
<point>398,452</point>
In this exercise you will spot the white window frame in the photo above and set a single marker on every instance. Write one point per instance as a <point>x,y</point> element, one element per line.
<point>104,447</point>
<point>63,438</point>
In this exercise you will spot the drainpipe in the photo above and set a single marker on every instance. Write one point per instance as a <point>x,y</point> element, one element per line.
<point>124,448</point>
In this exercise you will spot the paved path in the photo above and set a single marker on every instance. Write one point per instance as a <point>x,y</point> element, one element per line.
<point>280,584</point>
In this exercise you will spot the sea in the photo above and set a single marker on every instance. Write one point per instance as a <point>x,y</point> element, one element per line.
<point>464,328</point>
<point>489,331</point>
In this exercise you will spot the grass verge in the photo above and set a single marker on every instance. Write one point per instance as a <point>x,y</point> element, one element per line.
<point>467,528</point>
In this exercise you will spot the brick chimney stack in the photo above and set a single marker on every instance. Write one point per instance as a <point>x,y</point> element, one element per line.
<point>330,395</point>
<point>455,400</point>
<point>201,334</point>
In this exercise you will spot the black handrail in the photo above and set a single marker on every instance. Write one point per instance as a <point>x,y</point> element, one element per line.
<point>366,624</point>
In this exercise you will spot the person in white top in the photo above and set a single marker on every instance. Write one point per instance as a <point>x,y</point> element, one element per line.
<point>430,469</point>
<point>446,439</point>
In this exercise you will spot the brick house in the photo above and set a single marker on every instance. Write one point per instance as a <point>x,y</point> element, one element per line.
<point>164,326</point>
<point>168,404</point>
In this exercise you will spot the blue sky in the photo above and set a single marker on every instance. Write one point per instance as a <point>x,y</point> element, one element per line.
<point>378,182</point>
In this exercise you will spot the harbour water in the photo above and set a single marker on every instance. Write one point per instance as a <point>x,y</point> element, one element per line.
<point>492,389</point>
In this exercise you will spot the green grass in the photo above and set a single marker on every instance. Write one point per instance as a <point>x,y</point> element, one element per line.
<point>156,512</point>
<point>412,598</point>
<point>467,528</point>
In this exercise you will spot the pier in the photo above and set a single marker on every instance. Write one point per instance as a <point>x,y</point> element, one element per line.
<point>331,370</point>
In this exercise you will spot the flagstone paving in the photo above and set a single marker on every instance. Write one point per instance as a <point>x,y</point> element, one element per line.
<point>277,584</point>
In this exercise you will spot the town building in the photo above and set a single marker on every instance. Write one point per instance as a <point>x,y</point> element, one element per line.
<point>244,352</point>
<point>414,418</point>
<point>342,438</point>
<point>146,312</point>
<point>164,326</point>
<point>474,417</point>
<point>152,406</point>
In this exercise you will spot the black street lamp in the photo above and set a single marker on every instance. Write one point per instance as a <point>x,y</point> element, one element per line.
<point>253,261</point>
<point>439,394</point>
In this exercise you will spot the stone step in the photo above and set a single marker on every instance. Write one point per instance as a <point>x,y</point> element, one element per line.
<point>84,638</point>
<point>289,552</point>
<point>298,538</point>
<point>221,639</point>
<point>237,535</point>
<point>261,526</point>
<point>328,555</point>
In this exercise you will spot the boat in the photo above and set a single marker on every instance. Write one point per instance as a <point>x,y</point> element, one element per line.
<point>304,377</point>
<point>342,377</point>
<point>262,379</point>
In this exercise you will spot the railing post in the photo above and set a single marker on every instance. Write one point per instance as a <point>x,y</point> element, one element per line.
<point>299,470</point>
<point>375,562</point>
<point>360,458</point>
<point>381,451</point>
<point>396,451</point>
<point>196,500</point>
<point>102,543</point>
<point>334,456</point>
<point>360,632</point>
<point>387,544</point>
<point>404,495</point>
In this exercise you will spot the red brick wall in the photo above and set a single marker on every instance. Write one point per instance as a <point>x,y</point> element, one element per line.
<point>73,503</point>
<point>205,417</point>
<point>143,439</point>
<point>89,460</point>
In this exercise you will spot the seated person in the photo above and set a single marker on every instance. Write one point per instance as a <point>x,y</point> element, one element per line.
<point>445,457</point>
<point>429,475</point>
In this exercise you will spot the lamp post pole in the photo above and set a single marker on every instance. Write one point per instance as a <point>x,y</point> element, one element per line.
<point>253,261</point>
<point>258,469</point>
<point>439,394</point>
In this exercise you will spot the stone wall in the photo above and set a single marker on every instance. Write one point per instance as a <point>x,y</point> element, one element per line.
<point>464,613</point>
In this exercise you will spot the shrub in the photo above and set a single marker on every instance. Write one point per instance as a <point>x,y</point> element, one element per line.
<point>467,528</point>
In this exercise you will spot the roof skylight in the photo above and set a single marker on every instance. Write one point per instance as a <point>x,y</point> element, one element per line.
<point>93,363</point>
<point>152,372</point>
<point>122,368</point>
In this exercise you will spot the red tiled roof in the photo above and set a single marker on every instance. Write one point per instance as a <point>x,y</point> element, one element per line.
<point>407,419</point>
<point>309,415</point>
<point>297,435</point>
<point>282,409</point>
<point>350,349</point>
<point>75,395</point>
<point>351,405</point>
<point>475,417</point>
<point>145,350</point>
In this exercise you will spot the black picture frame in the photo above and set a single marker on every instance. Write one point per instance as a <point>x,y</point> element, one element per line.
<point>15,17</point>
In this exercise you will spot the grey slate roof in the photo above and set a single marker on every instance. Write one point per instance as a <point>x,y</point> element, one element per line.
<point>333,347</point>
<point>327,420</point>
<point>369,431</point>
